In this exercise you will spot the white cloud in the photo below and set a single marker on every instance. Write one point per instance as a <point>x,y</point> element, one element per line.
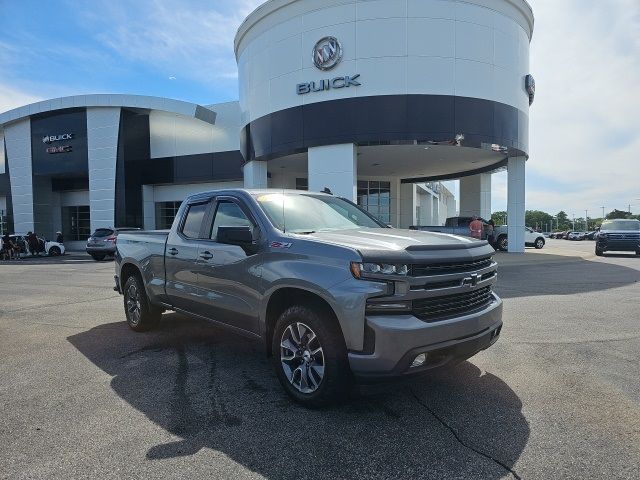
<point>584,123</point>
<point>11,98</point>
<point>188,40</point>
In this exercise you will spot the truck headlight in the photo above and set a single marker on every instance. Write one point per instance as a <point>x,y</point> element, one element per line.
<point>362,269</point>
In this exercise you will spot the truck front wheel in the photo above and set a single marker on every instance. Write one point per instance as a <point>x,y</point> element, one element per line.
<point>310,357</point>
<point>503,243</point>
<point>141,315</point>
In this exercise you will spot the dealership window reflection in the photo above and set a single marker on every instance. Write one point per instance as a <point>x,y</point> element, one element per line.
<point>165,214</point>
<point>375,197</point>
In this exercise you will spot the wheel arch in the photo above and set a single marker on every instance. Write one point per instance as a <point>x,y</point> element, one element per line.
<point>285,297</point>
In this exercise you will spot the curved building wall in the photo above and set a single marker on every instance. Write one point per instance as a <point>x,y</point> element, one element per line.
<point>427,69</point>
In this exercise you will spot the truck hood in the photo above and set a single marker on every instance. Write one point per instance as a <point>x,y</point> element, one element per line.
<point>382,239</point>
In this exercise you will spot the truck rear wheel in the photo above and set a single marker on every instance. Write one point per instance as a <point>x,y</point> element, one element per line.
<point>310,357</point>
<point>141,315</point>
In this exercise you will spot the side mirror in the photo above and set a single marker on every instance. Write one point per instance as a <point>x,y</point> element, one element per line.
<point>241,236</point>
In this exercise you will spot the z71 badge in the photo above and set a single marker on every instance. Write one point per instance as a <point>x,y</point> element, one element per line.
<point>280,245</point>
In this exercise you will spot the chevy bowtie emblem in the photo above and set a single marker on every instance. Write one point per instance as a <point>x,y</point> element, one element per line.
<point>471,281</point>
<point>327,53</point>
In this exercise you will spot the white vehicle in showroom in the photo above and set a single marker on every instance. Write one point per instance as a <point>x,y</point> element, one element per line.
<point>531,238</point>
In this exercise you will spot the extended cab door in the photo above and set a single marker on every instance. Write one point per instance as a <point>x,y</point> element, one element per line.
<point>181,255</point>
<point>228,275</point>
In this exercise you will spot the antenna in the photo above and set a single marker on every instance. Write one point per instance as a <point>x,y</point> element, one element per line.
<point>326,190</point>
<point>284,222</point>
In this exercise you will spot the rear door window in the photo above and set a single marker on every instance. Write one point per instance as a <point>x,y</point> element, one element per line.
<point>193,222</point>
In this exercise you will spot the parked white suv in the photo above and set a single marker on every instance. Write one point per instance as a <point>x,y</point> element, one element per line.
<point>531,238</point>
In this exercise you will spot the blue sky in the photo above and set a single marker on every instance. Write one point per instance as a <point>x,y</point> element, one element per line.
<point>585,55</point>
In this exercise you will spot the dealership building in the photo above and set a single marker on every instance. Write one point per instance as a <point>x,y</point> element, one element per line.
<point>377,100</point>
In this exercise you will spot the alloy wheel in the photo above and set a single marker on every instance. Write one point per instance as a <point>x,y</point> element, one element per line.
<point>302,357</point>
<point>133,304</point>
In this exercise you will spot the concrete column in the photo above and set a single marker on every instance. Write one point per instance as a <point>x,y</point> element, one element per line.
<point>334,167</point>
<point>475,196</point>
<point>408,202</point>
<point>103,125</point>
<point>148,207</point>
<point>17,137</point>
<point>255,174</point>
<point>516,203</point>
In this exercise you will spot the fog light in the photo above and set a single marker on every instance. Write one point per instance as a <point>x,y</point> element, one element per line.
<point>419,360</point>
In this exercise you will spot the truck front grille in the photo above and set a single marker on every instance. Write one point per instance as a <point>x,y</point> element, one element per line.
<point>440,308</point>
<point>447,268</point>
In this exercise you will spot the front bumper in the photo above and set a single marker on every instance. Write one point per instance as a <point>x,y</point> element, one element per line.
<point>619,245</point>
<point>398,339</point>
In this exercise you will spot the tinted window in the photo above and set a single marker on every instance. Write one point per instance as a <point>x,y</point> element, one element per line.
<point>228,214</point>
<point>193,222</point>
<point>620,225</point>
<point>102,232</point>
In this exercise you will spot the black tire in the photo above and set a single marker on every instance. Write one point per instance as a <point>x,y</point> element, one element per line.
<point>54,252</point>
<point>98,257</point>
<point>599,252</point>
<point>334,384</point>
<point>141,315</point>
<point>503,243</point>
<point>539,243</point>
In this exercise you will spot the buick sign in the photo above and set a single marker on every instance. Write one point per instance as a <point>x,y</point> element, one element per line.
<point>327,53</point>
<point>530,86</point>
<point>328,84</point>
<point>57,138</point>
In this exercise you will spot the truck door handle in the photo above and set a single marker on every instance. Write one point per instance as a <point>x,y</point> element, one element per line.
<point>206,255</point>
<point>173,251</point>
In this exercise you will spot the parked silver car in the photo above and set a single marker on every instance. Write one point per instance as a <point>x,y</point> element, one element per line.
<point>102,243</point>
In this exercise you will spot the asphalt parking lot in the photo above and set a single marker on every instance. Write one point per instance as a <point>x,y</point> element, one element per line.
<point>82,396</point>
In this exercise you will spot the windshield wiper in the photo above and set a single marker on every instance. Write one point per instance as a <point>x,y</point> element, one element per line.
<point>302,232</point>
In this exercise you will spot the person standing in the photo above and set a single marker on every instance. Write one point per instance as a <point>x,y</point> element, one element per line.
<point>490,227</point>
<point>9,247</point>
<point>476,228</point>
<point>32,242</point>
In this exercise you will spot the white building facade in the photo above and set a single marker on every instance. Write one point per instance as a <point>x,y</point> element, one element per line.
<point>377,100</point>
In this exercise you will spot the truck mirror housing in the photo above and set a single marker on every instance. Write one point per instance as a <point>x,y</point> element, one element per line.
<point>240,236</point>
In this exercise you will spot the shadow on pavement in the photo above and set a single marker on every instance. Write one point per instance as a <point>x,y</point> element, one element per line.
<point>561,275</point>
<point>217,390</point>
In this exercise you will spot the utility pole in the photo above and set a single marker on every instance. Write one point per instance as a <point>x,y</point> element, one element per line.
<point>602,213</point>
<point>573,224</point>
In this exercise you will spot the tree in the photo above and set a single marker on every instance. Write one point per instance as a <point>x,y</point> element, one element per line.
<point>563,222</point>
<point>499,218</point>
<point>537,219</point>
<point>616,214</point>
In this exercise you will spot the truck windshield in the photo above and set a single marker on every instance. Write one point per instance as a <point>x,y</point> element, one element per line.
<point>304,213</point>
<point>621,225</point>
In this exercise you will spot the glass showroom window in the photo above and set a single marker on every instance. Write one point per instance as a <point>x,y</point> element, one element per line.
<point>165,214</point>
<point>302,184</point>
<point>76,222</point>
<point>375,197</point>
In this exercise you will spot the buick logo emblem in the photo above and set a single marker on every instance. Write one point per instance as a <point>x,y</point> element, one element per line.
<point>327,53</point>
<point>530,86</point>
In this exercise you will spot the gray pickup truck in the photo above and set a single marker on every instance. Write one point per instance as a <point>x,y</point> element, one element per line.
<point>333,295</point>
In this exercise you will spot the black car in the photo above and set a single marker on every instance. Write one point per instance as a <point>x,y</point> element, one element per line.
<point>618,235</point>
<point>102,242</point>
